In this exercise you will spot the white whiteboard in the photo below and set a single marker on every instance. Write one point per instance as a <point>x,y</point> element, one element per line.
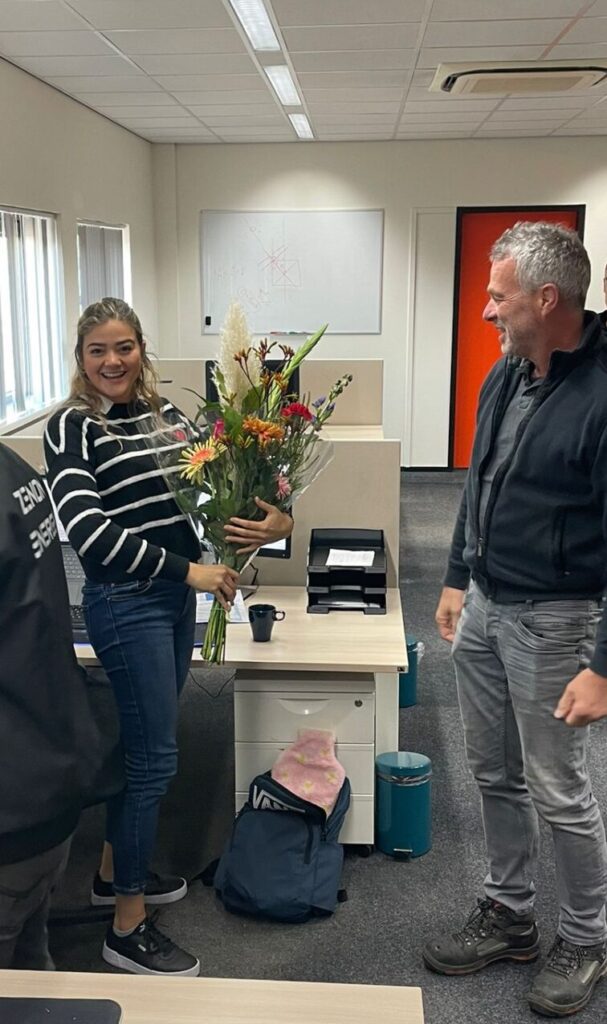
<point>293,271</point>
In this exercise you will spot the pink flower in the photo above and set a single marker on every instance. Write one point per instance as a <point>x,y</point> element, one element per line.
<point>283,487</point>
<point>219,429</point>
<point>179,435</point>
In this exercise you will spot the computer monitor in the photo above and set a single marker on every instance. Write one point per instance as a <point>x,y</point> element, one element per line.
<point>272,364</point>
<point>278,549</point>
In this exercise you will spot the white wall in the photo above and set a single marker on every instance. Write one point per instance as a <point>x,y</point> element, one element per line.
<point>404,178</point>
<point>60,157</point>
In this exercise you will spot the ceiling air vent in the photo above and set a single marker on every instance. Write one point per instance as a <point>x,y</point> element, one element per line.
<point>520,78</point>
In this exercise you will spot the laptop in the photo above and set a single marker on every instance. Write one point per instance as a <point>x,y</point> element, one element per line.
<point>75,577</point>
<point>24,1010</point>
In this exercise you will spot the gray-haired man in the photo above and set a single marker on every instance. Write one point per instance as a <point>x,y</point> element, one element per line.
<point>522,608</point>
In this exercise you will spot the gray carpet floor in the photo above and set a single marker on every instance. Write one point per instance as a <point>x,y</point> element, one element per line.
<point>393,906</point>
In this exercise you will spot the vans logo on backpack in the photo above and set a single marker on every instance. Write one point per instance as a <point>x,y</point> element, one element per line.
<point>263,801</point>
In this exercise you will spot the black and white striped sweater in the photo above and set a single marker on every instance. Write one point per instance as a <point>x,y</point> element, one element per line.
<point>112,497</point>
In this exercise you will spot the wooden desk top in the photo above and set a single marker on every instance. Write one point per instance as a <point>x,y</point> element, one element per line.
<point>340,641</point>
<point>225,1001</point>
<point>336,642</point>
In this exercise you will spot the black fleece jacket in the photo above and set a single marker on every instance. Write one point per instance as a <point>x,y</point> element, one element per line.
<point>49,744</point>
<point>545,530</point>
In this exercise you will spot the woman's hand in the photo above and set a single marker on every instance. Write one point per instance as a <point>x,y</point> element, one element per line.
<point>251,534</point>
<point>214,579</point>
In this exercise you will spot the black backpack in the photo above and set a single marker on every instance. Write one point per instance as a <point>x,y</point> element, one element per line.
<point>283,860</point>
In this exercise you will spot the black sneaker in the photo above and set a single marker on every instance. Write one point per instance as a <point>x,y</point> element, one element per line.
<point>567,980</point>
<point>492,932</point>
<point>148,951</point>
<point>158,890</point>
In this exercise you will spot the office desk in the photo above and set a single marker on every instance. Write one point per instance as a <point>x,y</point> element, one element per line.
<point>225,1001</point>
<point>336,671</point>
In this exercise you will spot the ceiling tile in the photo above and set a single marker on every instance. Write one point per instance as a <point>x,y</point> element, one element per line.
<point>438,134</point>
<point>449,106</point>
<point>179,41</point>
<point>52,67</point>
<point>117,14</point>
<point>119,113</point>
<point>355,137</point>
<point>120,83</point>
<point>222,83</point>
<point>317,96</point>
<point>21,15</point>
<point>287,136</point>
<point>431,57</point>
<point>228,109</point>
<point>353,79</point>
<point>354,60</point>
<point>231,97</point>
<point>493,33</point>
<point>432,126</point>
<point>352,119</point>
<point>199,131</point>
<point>242,118</point>
<point>571,130</point>
<point>159,122</point>
<point>544,103</point>
<point>193,65</point>
<point>362,107</point>
<point>438,117</point>
<point>494,10</point>
<point>353,37</point>
<point>549,114</point>
<point>539,124</point>
<point>579,51</point>
<point>588,30</point>
<point>347,12</point>
<point>231,130</point>
<point>126,99</point>
<point>53,44</point>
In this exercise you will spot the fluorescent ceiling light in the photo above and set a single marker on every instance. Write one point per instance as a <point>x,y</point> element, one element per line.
<point>283,85</point>
<point>254,19</point>
<point>301,126</point>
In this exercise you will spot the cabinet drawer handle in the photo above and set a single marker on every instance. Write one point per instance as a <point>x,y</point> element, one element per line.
<point>304,707</point>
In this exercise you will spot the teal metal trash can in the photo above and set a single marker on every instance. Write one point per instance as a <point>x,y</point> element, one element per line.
<point>403,807</point>
<point>407,681</point>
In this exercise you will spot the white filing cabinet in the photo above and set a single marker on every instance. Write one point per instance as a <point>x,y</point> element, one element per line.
<point>269,710</point>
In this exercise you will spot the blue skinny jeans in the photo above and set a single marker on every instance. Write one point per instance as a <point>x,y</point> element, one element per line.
<point>143,634</point>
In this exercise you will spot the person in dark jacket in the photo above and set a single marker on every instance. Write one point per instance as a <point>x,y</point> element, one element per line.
<point>522,607</point>
<point>49,747</point>
<point>603,315</point>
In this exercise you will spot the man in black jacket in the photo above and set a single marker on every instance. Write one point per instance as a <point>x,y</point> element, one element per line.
<point>522,607</point>
<point>603,315</point>
<point>48,741</point>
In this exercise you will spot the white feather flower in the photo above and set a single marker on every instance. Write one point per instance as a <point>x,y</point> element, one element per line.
<point>230,374</point>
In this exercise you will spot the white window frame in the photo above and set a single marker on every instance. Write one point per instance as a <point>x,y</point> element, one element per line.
<point>101,272</point>
<point>32,315</point>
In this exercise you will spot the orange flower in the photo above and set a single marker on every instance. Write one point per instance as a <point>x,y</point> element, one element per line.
<point>195,459</point>
<point>264,430</point>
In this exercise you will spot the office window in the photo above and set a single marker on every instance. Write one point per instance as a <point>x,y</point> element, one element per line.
<point>31,357</point>
<point>103,263</point>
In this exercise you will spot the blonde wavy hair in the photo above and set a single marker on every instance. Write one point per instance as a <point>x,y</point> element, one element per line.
<point>82,395</point>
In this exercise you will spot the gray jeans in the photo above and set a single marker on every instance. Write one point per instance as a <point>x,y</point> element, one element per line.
<point>512,662</point>
<point>25,894</point>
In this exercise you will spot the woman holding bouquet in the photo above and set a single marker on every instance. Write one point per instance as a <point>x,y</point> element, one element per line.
<point>140,557</point>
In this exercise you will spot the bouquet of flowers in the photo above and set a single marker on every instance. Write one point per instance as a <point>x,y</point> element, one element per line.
<point>260,439</point>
